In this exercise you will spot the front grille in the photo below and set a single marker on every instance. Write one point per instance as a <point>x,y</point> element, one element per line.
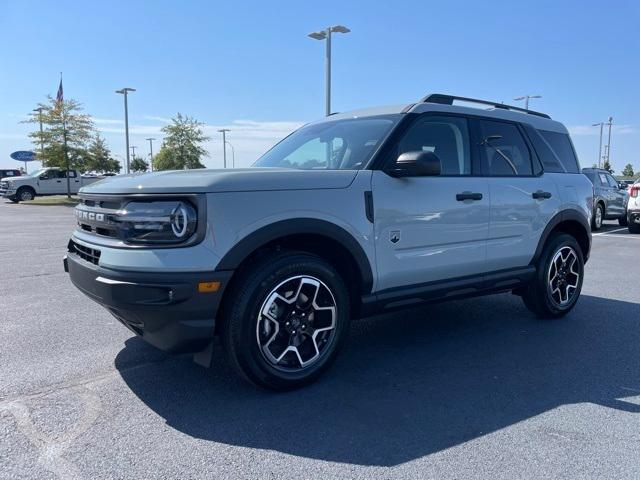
<point>89,254</point>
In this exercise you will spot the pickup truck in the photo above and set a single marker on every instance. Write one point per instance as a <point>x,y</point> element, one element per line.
<point>46,181</point>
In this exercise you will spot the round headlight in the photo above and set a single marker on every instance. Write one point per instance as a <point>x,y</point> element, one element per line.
<point>179,221</point>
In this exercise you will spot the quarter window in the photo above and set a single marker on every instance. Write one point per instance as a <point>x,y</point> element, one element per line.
<point>447,137</point>
<point>561,146</point>
<point>504,151</point>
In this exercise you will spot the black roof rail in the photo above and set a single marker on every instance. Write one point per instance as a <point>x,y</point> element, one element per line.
<point>449,99</point>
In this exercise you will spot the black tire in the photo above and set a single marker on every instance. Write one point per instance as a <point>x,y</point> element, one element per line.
<point>244,328</point>
<point>623,221</point>
<point>25,194</point>
<point>634,227</point>
<point>538,295</point>
<point>595,223</point>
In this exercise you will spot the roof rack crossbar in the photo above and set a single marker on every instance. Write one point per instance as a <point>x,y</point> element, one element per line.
<point>449,99</point>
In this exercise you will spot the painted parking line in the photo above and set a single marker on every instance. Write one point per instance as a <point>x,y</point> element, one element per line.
<point>609,231</point>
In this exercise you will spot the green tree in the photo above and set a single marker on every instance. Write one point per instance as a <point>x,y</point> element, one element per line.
<point>182,145</point>
<point>628,170</point>
<point>607,166</point>
<point>138,164</point>
<point>59,121</point>
<point>99,158</point>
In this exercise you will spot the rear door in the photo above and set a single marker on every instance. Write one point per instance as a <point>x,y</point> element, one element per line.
<point>523,199</point>
<point>618,197</point>
<point>75,182</point>
<point>431,228</point>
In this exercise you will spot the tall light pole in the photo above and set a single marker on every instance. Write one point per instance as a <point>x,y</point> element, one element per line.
<point>124,91</point>
<point>526,99</point>
<point>601,125</point>
<point>326,35</point>
<point>224,144</point>
<point>233,155</point>
<point>151,140</point>
<point>608,148</point>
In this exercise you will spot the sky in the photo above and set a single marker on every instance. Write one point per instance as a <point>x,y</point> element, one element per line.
<point>250,67</point>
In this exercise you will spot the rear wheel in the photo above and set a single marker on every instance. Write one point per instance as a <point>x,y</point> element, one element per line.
<point>285,320</point>
<point>598,216</point>
<point>558,281</point>
<point>634,227</point>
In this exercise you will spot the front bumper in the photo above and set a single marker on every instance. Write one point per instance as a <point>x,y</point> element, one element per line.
<point>166,309</point>
<point>7,192</point>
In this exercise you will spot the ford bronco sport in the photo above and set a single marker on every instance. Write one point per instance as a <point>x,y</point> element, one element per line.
<point>358,213</point>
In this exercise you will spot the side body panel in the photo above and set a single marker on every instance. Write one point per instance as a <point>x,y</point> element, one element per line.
<point>423,233</point>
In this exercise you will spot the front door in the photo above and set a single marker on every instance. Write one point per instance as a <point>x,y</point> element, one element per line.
<point>49,182</point>
<point>431,228</point>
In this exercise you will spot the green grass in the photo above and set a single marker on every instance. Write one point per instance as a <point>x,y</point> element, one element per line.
<point>52,200</point>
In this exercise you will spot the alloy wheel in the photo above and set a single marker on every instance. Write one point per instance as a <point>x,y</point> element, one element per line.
<point>296,323</point>
<point>564,276</point>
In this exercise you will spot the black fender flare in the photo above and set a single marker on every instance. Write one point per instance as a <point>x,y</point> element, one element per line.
<point>299,226</point>
<point>557,219</point>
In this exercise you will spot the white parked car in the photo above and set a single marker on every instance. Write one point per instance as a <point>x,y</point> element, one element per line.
<point>633,208</point>
<point>46,181</point>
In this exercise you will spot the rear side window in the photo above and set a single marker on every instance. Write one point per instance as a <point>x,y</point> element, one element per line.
<point>561,146</point>
<point>504,151</point>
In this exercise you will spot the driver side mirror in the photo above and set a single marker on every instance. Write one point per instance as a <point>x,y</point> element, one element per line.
<point>416,164</point>
<point>622,186</point>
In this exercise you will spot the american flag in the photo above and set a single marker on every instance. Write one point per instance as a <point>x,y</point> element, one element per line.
<point>60,95</point>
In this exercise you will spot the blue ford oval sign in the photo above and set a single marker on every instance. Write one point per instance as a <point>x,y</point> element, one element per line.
<point>23,156</point>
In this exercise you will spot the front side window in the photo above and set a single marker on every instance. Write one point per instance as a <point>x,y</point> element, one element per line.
<point>346,144</point>
<point>503,149</point>
<point>447,137</point>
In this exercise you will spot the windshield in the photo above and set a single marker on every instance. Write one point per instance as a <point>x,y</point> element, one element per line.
<point>37,173</point>
<point>334,145</point>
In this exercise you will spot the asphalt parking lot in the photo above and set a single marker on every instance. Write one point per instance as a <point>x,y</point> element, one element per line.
<point>474,389</point>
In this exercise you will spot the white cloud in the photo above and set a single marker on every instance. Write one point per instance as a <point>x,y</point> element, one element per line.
<point>107,121</point>
<point>588,130</point>
<point>157,119</point>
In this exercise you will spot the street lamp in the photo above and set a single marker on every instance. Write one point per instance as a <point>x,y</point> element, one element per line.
<point>151,140</point>
<point>601,125</point>
<point>326,35</point>
<point>233,155</point>
<point>133,151</point>
<point>526,99</point>
<point>124,91</point>
<point>39,110</point>
<point>224,144</point>
<point>608,149</point>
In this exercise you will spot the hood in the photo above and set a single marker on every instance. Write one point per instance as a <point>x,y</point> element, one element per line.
<point>235,180</point>
<point>16,179</point>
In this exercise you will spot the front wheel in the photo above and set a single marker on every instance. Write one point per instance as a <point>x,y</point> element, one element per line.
<point>25,194</point>
<point>285,320</point>
<point>557,284</point>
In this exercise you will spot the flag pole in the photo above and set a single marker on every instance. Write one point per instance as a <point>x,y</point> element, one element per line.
<point>60,98</point>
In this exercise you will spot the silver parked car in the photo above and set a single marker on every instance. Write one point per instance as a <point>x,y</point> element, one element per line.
<point>610,198</point>
<point>359,213</point>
